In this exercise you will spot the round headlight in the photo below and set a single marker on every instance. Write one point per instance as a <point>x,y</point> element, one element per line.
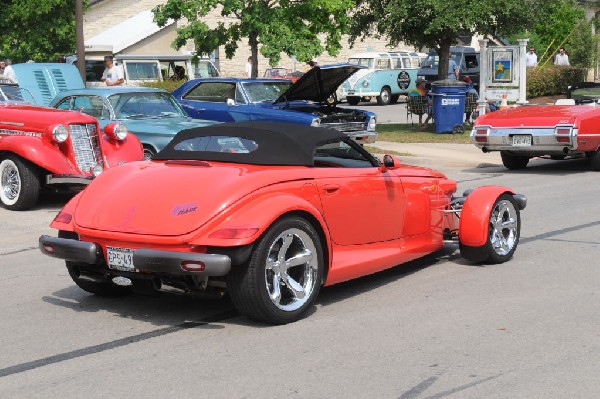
<point>120,131</point>
<point>316,122</point>
<point>60,133</point>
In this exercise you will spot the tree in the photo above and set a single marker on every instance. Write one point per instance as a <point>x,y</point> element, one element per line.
<point>38,30</point>
<point>559,23</point>
<point>437,24</point>
<point>286,26</point>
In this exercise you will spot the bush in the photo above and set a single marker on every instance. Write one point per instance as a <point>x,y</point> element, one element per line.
<point>552,80</point>
<point>168,85</point>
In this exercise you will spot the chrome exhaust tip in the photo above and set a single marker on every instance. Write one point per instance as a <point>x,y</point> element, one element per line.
<point>122,281</point>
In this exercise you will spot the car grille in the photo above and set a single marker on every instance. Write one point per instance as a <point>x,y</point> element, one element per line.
<point>86,146</point>
<point>345,126</point>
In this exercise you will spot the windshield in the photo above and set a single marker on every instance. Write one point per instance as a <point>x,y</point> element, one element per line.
<point>10,93</point>
<point>366,62</point>
<point>433,60</point>
<point>145,105</point>
<point>265,91</point>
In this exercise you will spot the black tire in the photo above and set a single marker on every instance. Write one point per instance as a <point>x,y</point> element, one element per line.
<point>513,162</point>
<point>385,96</point>
<point>149,152</point>
<point>395,98</point>
<point>594,159</point>
<point>98,288</point>
<point>260,292</point>
<point>19,183</point>
<point>353,100</point>
<point>504,232</point>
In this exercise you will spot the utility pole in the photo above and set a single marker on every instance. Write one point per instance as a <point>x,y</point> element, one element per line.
<point>79,38</point>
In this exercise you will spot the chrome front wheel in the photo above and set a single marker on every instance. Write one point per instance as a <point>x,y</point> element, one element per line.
<point>19,184</point>
<point>503,230</point>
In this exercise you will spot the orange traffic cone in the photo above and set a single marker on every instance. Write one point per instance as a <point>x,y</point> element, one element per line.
<point>503,103</point>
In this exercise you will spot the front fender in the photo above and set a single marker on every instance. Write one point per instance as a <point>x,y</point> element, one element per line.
<point>39,152</point>
<point>259,214</point>
<point>475,215</point>
<point>116,152</point>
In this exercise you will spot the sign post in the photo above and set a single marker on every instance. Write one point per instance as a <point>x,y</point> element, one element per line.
<point>503,74</point>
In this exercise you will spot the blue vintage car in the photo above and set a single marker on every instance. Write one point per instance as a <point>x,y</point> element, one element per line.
<point>279,100</point>
<point>152,115</point>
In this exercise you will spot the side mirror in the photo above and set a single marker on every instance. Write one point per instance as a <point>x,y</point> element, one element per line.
<point>230,102</point>
<point>390,162</point>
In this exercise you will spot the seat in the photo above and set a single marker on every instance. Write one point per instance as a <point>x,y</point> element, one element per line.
<point>470,107</point>
<point>416,105</point>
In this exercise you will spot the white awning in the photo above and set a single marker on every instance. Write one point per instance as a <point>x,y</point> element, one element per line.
<point>126,34</point>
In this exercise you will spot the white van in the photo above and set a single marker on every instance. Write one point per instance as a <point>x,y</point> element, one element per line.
<point>149,68</point>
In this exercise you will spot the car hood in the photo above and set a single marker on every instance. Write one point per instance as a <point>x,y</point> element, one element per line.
<point>171,125</point>
<point>170,198</point>
<point>319,83</point>
<point>43,81</point>
<point>536,116</point>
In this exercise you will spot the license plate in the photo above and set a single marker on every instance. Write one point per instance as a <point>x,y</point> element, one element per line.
<point>120,258</point>
<point>521,140</point>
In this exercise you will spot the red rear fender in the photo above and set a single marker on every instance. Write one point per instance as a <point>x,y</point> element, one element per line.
<point>474,218</point>
<point>64,218</point>
<point>254,217</point>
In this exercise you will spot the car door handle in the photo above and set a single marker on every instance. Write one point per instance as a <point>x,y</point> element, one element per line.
<point>331,188</point>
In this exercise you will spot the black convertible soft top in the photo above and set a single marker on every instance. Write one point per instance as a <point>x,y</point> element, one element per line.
<point>276,143</point>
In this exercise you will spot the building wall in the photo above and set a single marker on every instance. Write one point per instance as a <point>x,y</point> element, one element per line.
<point>106,13</point>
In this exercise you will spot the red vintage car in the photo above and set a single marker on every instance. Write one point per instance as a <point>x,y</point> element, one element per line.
<point>557,131</point>
<point>269,212</point>
<point>47,148</point>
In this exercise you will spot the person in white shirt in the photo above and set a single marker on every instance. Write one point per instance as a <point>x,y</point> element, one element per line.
<point>9,72</point>
<point>113,74</point>
<point>531,58</point>
<point>249,68</point>
<point>561,58</point>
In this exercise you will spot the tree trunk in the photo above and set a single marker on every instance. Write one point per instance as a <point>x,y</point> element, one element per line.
<point>444,54</point>
<point>253,41</point>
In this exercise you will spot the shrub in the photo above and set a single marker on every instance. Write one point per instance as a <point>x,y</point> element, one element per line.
<point>168,85</point>
<point>552,80</point>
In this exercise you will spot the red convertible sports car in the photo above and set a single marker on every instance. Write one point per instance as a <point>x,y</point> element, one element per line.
<point>269,213</point>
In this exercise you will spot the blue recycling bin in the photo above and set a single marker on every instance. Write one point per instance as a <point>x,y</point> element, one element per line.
<point>449,105</point>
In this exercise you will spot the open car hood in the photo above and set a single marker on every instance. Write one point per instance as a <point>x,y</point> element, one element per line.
<point>319,83</point>
<point>43,81</point>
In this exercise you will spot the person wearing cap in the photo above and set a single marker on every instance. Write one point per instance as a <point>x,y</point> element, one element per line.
<point>312,63</point>
<point>421,91</point>
<point>531,58</point>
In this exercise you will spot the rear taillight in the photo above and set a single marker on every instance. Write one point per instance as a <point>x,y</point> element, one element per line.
<point>233,233</point>
<point>563,134</point>
<point>480,134</point>
<point>63,217</point>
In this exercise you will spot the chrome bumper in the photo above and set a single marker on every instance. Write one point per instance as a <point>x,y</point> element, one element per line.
<point>362,137</point>
<point>148,260</point>
<point>69,179</point>
<point>543,141</point>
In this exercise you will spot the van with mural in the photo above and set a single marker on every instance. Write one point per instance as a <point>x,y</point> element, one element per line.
<point>386,76</point>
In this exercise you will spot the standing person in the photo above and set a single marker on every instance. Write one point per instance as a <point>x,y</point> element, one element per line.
<point>453,69</point>
<point>531,58</point>
<point>2,66</point>
<point>312,63</point>
<point>561,58</point>
<point>113,74</point>
<point>9,72</point>
<point>249,67</point>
